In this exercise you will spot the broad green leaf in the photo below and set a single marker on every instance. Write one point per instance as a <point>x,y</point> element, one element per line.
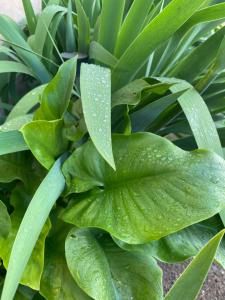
<point>30,15</point>
<point>95,84</point>
<point>24,105</point>
<point>99,53</point>
<point>167,22</point>
<point>5,221</point>
<point>132,25</point>
<point>11,32</point>
<point>31,226</point>
<point>14,166</point>
<point>190,282</point>
<point>56,95</point>
<point>130,93</point>
<point>45,140</point>
<point>7,66</point>
<point>110,22</point>
<point>83,29</point>
<point>57,283</point>
<point>144,199</point>
<point>184,244</point>
<point>104,271</point>
<point>11,141</point>
<point>32,273</point>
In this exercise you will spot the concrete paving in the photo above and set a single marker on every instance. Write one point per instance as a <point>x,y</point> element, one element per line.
<point>14,8</point>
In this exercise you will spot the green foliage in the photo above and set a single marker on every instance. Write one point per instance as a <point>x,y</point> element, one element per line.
<point>103,104</point>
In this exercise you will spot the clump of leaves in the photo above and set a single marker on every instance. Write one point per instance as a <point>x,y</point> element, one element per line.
<point>100,176</point>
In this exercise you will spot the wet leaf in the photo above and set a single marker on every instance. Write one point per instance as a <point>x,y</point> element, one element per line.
<point>157,189</point>
<point>96,101</point>
<point>105,271</point>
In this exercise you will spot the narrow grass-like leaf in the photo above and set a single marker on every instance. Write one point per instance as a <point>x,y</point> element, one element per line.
<point>110,22</point>
<point>214,71</point>
<point>83,29</point>
<point>7,66</point>
<point>99,53</point>
<point>11,141</point>
<point>167,22</point>
<point>196,62</point>
<point>189,284</point>
<point>95,84</point>
<point>31,226</point>
<point>70,38</point>
<point>12,33</point>
<point>30,15</point>
<point>130,28</point>
<point>44,21</point>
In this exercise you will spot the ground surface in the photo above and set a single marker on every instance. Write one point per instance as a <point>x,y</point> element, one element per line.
<point>214,288</point>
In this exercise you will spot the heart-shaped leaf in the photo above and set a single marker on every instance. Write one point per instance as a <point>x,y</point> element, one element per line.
<point>105,271</point>
<point>157,189</point>
<point>45,140</point>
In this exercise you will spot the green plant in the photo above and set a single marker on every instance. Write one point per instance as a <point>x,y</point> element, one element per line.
<point>100,173</point>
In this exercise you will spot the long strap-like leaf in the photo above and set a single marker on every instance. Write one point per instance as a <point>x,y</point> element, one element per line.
<point>166,23</point>
<point>110,22</point>
<point>12,141</point>
<point>199,119</point>
<point>31,226</point>
<point>189,284</point>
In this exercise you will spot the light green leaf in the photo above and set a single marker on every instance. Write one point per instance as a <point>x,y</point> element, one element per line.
<point>7,66</point>
<point>167,22</point>
<point>30,15</point>
<point>16,123</point>
<point>110,22</point>
<point>130,28</point>
<point>57,283</point>
<point>157,189</point>
<point>189,284</point>
<point>104,271</point>
<point>11,141</point>
<point>24,105</point>
<point>99,53</point>
<point>44,21</point>
<point>31,226</point>
<point>95,84</point>
<point>45,140</point>
<point>5,221</point>
<point>56,95</point>
<point>33,271</point>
